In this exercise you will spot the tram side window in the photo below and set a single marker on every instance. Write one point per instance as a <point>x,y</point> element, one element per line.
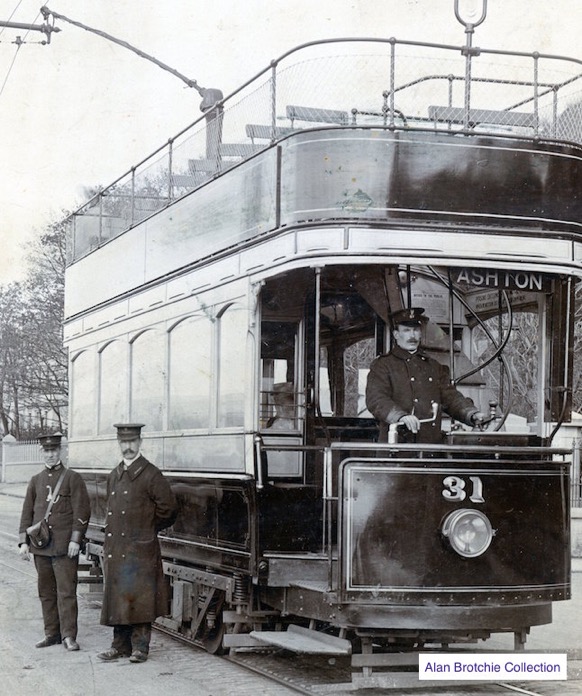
<point>232,327</point>
<point>112,385</point>
<point>190,374</point>
<point>83,379</point>
<point>279,394</point>
<point>148,378</point>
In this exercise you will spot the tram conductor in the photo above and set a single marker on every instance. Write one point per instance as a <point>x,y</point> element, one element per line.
<point>56,562</point>
<point>140,503</point>
<point>407,387</point>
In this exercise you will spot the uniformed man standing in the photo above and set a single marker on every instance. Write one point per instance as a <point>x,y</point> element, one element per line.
<point>406,384</point>
<point>56,563</point>
<point>140,503</point>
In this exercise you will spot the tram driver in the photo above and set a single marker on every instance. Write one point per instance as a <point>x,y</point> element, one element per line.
<point>409,388</point>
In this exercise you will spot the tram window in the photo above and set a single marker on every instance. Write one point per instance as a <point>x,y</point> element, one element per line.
<point>112,387</point>
<point>343,379</point>
<point>190,374</point>
<point>232,328</point>
<point>148,378</point>
<point>522,359</point>
<point>83,379</point>
<point>279,394</point>
<point>347,348</point>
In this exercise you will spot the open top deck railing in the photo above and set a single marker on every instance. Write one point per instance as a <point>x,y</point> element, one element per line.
<point>344,83</point>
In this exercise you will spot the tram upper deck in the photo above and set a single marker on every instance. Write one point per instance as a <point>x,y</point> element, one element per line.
<point>347,138</point>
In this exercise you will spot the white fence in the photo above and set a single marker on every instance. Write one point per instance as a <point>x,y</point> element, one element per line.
<point>20,460</point>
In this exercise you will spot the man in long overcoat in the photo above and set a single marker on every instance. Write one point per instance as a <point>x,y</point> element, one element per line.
<point>403,385</point>
<point>56,564</point>
<point>140,503</point>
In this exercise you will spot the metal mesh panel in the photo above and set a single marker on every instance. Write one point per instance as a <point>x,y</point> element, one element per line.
<point>371,83</point>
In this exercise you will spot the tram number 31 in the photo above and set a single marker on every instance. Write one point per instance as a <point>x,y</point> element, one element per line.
<point>456,488</point>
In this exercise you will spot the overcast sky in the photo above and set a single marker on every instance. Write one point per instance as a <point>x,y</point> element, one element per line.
<point>79,112</point>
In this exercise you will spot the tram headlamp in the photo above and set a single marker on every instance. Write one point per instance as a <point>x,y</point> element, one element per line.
<point>469,532</point>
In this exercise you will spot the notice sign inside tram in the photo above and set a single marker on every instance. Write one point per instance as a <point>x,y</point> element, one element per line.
<point>487,302</point>
<point>492,666</point>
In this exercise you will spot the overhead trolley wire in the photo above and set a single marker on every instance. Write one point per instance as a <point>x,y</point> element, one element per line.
<point>19,42</point>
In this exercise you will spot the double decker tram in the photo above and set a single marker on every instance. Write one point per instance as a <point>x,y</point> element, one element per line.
<point>232,291</point>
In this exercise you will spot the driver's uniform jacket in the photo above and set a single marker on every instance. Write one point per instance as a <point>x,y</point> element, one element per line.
<point>402,383</point>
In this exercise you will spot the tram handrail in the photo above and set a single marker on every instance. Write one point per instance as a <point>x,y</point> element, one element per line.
<point>420,447</point>
<point>451,449</point>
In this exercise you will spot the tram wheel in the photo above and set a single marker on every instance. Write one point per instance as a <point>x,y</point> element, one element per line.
<point>211,635</point>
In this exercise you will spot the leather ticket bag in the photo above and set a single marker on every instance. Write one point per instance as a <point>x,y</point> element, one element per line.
<point>39,534</point>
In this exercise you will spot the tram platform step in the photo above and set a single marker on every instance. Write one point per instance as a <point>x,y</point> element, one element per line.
<point>304,640</point>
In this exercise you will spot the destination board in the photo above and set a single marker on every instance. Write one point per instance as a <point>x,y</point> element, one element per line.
<point>502,279</point>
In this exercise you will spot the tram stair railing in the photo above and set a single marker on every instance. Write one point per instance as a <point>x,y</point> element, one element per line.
<point>576,474</point>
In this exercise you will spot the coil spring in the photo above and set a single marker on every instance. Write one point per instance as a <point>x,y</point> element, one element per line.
<point>240,594</point>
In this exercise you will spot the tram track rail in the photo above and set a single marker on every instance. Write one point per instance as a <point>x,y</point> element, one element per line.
<point>18,569</point>
<point>234,659</point>
<point>519,690</point>
<point>267,670</point>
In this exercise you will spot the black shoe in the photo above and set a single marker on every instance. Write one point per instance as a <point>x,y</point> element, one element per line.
<point>138,656</point>
<point>70,644</point>
<point>112,654</point>
<point>49,640</point>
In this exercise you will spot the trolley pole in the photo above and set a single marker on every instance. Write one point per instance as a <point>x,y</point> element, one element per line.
<point>211,104</point>
<point>46,29</point>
